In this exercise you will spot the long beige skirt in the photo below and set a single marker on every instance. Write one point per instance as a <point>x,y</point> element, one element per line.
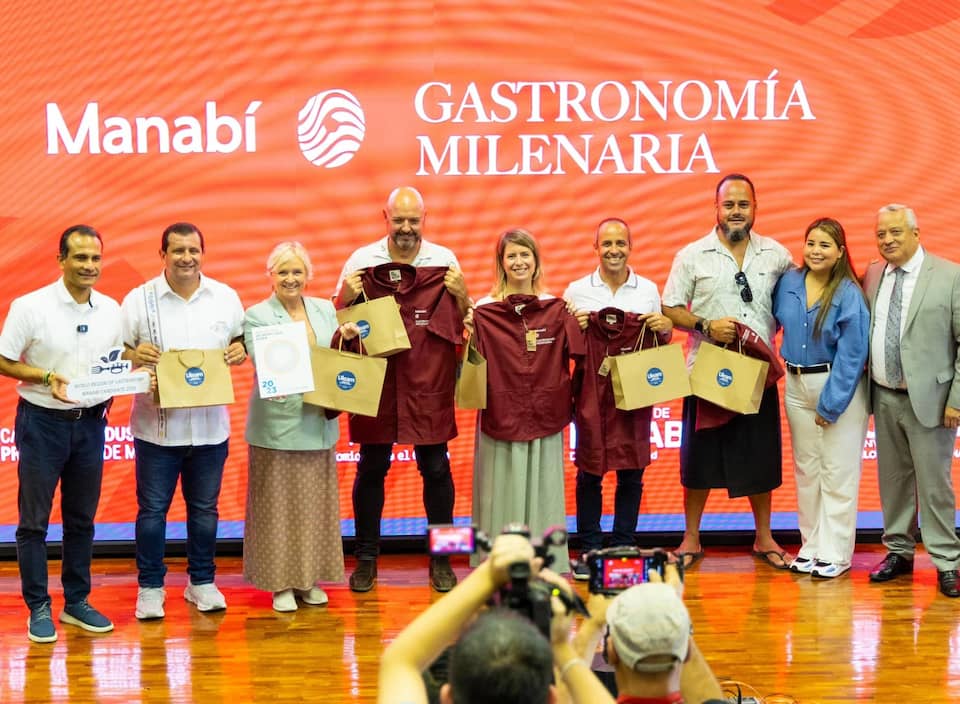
<point>520,482</point>
<point>292,534</point>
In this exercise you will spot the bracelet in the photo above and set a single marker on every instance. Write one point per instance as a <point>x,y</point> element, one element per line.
<point>46,377</point>
<point>571,663</point>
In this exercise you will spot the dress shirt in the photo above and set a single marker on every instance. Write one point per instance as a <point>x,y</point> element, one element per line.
<point>43,329</point>
<point>636,295</point>
<point>842,342</point>
<point>702,277</point>
<point>209,320</point>
<point>881,310</point>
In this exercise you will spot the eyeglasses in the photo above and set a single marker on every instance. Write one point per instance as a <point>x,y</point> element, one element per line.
<point>746,295</point>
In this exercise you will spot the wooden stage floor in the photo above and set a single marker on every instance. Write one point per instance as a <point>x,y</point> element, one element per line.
<point>817,641</point>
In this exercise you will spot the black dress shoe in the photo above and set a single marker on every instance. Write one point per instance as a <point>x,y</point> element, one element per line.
<point>892,565</point>
<point>364,576</point>
<point>949,582</point>
<point>442,577</point>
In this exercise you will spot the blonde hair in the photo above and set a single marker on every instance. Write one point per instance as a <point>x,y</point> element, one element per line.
<point>522,238</point>
<point>288,250</point>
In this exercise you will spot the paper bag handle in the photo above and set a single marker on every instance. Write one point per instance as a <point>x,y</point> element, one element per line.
<point>185,363</point>
<point>643,331</point>
<point>340,345</point>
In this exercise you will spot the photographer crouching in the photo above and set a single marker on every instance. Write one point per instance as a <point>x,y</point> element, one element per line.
<point>647,636</point>
<point>501,657</point>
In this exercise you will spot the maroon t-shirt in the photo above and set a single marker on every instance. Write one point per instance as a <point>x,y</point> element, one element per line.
<point>528,344</point>
<point>416,405</point>
<point>608,438</point>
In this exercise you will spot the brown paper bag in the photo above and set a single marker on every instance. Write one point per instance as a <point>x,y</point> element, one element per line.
<point>381,326</point>
<point>729,379</point>
<point>344,381</point>
<point>193,378</point>
<point>646,377</point>
<point>472,379</point>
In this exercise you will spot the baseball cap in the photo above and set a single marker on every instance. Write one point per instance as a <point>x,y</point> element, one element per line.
<point>649,620</point>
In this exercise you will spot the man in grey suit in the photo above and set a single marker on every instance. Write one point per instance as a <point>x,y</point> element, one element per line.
<point>915,368</point>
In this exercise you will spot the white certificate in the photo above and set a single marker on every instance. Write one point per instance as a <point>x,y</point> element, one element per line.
<point>99,386</point>
<point>282,355</point>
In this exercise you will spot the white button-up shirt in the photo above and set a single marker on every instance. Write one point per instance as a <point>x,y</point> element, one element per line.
<point>48,329</point>
<point>209,320</point>
<point>702,278</point>
<point>635,295</point>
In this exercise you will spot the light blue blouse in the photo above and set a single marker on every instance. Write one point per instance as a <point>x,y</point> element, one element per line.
<point>843,341</point>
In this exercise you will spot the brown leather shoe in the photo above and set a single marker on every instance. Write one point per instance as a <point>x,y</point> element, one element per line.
<point>364,576</point>
<point>891,566</point>
<point>442,577</point>
<point>949,583</point>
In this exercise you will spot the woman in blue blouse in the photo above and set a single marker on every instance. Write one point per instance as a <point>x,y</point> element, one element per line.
<point>826,326</point>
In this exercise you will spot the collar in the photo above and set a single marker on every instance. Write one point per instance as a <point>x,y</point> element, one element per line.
<point>163,287</point>
<point>596,281</point>
<point>916,261</point>
<point>63,295</point>
<point>755,243</point>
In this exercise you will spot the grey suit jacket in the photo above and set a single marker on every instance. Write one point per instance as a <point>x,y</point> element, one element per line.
<point>931,336</point>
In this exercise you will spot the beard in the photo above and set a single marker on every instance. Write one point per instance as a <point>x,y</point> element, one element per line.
<point>738,233</point>
<point>405,241</point>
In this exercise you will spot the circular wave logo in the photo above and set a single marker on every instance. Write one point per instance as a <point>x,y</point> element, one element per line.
<point>364,329</point>
<point>330,128</point>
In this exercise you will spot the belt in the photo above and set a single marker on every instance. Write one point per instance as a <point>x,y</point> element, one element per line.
<point>98,411</point>
<point>812,369</point>
<point>890,389</point>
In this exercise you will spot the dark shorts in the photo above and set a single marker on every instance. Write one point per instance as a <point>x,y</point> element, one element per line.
<point>744,456</point>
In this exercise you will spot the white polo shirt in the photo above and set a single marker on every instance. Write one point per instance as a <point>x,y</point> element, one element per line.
<point>377,253</point>
<point>636,295</point>
<point>209,320</point>
<point>702,278</point>
<point>46,328</point>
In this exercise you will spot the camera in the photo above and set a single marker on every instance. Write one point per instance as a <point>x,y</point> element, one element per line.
<point>524,592</point>
<point>614,569</point>
<point>451,540</point>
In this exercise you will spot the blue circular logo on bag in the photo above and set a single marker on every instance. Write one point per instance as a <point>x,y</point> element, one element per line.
<point>194,376</point>
<point>364,329</point>
<point>346,380</point>
<point>724,377</point>
<point>654,376</point>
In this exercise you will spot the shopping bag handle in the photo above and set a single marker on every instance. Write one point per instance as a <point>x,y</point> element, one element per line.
<point>186,363</point>
<point>643,331</point>
<point>359,344</point>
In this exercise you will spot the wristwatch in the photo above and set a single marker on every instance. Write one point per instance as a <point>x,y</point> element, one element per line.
<point>702,326</point>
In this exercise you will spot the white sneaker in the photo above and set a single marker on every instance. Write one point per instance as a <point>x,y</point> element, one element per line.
<point>206,596</point>
<point>284,601</point>
<point>803,565</point>
<point>829,570</point>
<point>150,603</point>
<point>314,596</point>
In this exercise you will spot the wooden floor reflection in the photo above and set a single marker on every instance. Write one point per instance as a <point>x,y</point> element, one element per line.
<point>817,641</point>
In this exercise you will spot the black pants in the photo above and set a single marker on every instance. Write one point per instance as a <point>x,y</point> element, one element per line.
<point>438,493</point>
<point>626,506</point>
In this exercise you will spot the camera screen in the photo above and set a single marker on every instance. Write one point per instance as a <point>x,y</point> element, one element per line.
<point>451,540</point>
<point>623,572</point>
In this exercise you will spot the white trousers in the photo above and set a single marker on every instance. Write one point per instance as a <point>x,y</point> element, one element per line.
<point>827,463</point>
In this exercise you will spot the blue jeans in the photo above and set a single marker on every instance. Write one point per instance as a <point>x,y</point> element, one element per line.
<point>626,506</point>
<point>200,470</point>
<point>69,452</point>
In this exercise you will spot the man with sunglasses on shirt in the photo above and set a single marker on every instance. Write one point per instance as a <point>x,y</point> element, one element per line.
<point>724,278</point>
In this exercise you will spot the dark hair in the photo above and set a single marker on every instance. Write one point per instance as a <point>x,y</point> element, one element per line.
<point>501,659</point>
<point>522,238</point>
<point>180,228</point>
<point>735,177</point>
<point>843,269</point>
<point>84,231</point>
